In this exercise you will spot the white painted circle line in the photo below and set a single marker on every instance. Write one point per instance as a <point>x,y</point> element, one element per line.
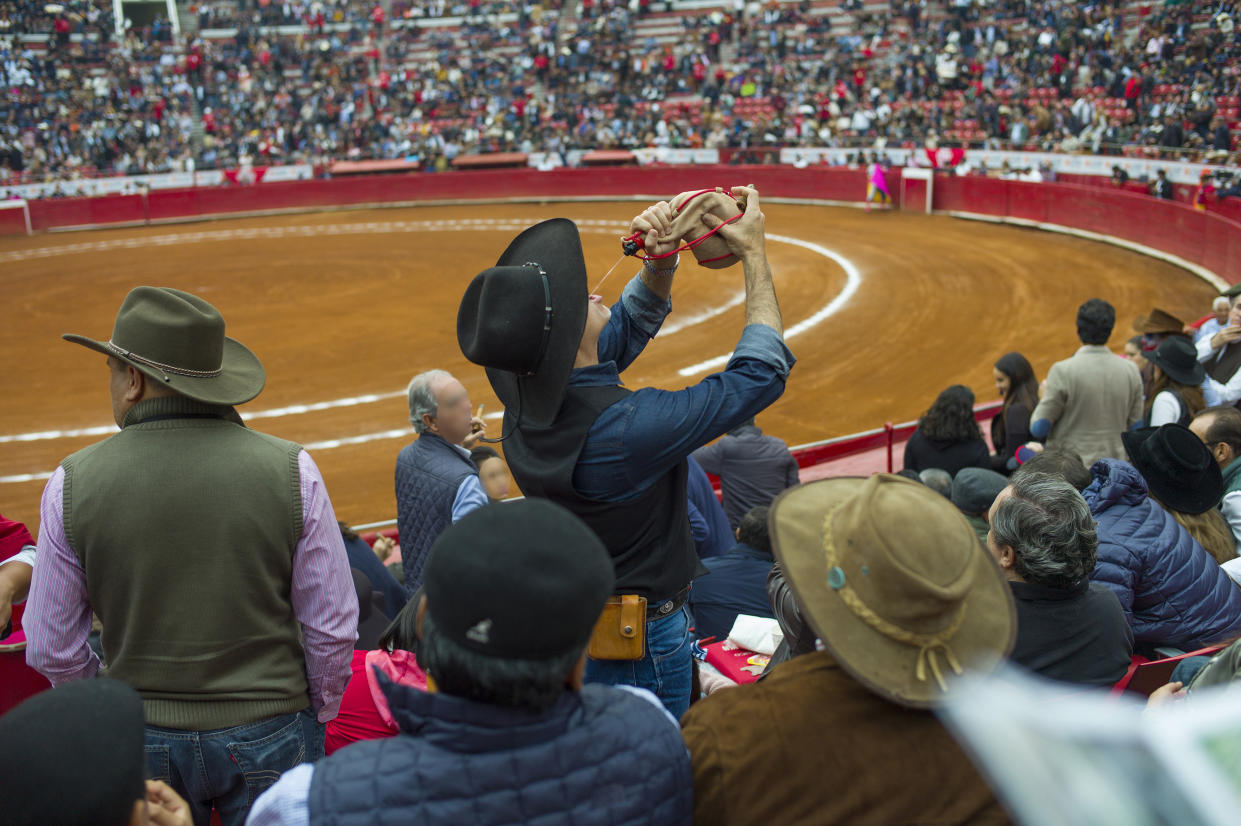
<point>852,282</point>
<point>267,233</point>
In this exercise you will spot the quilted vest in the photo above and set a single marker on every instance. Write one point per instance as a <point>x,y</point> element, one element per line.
<point>599,757</point>
<point>428,473</point>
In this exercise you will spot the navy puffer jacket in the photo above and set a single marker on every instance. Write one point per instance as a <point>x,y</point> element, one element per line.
<point>1172,590</point>
<point>598,757</point>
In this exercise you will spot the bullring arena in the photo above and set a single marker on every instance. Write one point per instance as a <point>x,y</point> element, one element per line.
<point>883,310</point>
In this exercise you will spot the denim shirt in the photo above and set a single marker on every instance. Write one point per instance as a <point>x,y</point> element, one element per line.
<point>641,437</point>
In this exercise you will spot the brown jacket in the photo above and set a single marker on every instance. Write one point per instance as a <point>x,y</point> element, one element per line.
<point>810,745</point>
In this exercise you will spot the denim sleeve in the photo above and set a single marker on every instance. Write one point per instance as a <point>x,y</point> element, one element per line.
<point>636,318</point>
<point>641,437</point>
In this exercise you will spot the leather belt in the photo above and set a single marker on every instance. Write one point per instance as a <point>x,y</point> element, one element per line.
<point>667,607</point>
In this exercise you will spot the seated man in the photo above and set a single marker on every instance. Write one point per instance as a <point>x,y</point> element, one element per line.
<point>902,595</point>
<point>1220,430</point>
<point>1068,628</point>
<point>737,583</point>
<point>1171,589</point>
<point>753,468</point>
<point>75,755</point>
<point>974,492</point>
<point>506,731</point>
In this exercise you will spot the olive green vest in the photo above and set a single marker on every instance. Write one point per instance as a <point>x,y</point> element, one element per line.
<point>186,523</point>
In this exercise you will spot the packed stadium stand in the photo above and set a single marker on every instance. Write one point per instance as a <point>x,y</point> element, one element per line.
<point>313,82</point>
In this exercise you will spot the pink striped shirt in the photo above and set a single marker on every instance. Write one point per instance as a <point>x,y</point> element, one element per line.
<point>58,611</point>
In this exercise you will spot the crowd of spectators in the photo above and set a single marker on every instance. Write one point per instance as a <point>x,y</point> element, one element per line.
<point>355,82</point>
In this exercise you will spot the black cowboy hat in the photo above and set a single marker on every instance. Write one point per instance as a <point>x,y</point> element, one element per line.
<point>523,319</point>
<point>1178,358</point>
<point>1178,468</point>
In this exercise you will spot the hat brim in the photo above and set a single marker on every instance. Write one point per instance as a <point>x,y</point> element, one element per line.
<point>1192,377</point>
<point>1144,324</point>
<point>556,246</point>
<point>1191,499</point>
<point>883,665</point>
<point>240,379</point>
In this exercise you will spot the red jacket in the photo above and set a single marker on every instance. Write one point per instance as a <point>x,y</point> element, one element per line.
<point>364,712</point>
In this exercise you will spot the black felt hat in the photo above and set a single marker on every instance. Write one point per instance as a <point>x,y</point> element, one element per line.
<point>523,319</point>
<point>518,580</point>
<point>1179,359</point>
<point>1178,468</point>
<point>73,756</point>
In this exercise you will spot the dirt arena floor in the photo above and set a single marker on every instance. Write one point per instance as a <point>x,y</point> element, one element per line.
<point>883,310</point>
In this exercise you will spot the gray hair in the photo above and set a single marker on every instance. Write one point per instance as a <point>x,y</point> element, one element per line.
<point>1220,302</point>
<point>422,399</point>
<point>1048,525</point>
<point>938,480</point>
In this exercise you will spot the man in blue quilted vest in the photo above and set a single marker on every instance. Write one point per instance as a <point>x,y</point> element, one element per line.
<point>436,483</point>
<point>506,731</point>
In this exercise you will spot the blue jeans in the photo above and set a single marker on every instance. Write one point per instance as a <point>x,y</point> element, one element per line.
<point>227,769</point>
<point>666,669</point>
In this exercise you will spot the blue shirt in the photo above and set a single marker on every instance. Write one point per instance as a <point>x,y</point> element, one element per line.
<point>736,585</point>
<point>641,437</point>
<point>470,493</point>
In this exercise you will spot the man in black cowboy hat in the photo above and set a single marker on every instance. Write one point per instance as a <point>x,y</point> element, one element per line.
<point>211,554</point>
<point>616,458</point>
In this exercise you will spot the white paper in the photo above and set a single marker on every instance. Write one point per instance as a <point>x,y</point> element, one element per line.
<point>758,634</point>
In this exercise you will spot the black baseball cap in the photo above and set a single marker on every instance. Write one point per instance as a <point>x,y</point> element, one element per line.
<point>518,580</point>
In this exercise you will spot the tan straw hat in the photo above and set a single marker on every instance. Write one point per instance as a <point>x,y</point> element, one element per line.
<point>894,581</point>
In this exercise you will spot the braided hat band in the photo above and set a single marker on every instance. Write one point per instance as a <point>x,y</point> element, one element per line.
<point>927,644</point>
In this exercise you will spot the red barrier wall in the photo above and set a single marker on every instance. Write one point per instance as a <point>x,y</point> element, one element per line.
<point>1208,239</point>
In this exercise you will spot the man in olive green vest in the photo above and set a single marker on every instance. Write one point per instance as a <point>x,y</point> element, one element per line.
<point>210,553</point>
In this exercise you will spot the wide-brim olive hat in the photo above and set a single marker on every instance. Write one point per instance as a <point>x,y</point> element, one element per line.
<point>894,581</point>
<point>523,319</point>
<point>178,340</point>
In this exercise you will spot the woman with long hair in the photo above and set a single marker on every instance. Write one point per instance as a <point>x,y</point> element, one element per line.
<point>948,436</point>
<point>1210,529</point>
<point>364,712</point>
<point>1010,429</point>
<point>1175,394</point>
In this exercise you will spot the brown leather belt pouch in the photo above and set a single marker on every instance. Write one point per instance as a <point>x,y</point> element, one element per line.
<point>620,633</point>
